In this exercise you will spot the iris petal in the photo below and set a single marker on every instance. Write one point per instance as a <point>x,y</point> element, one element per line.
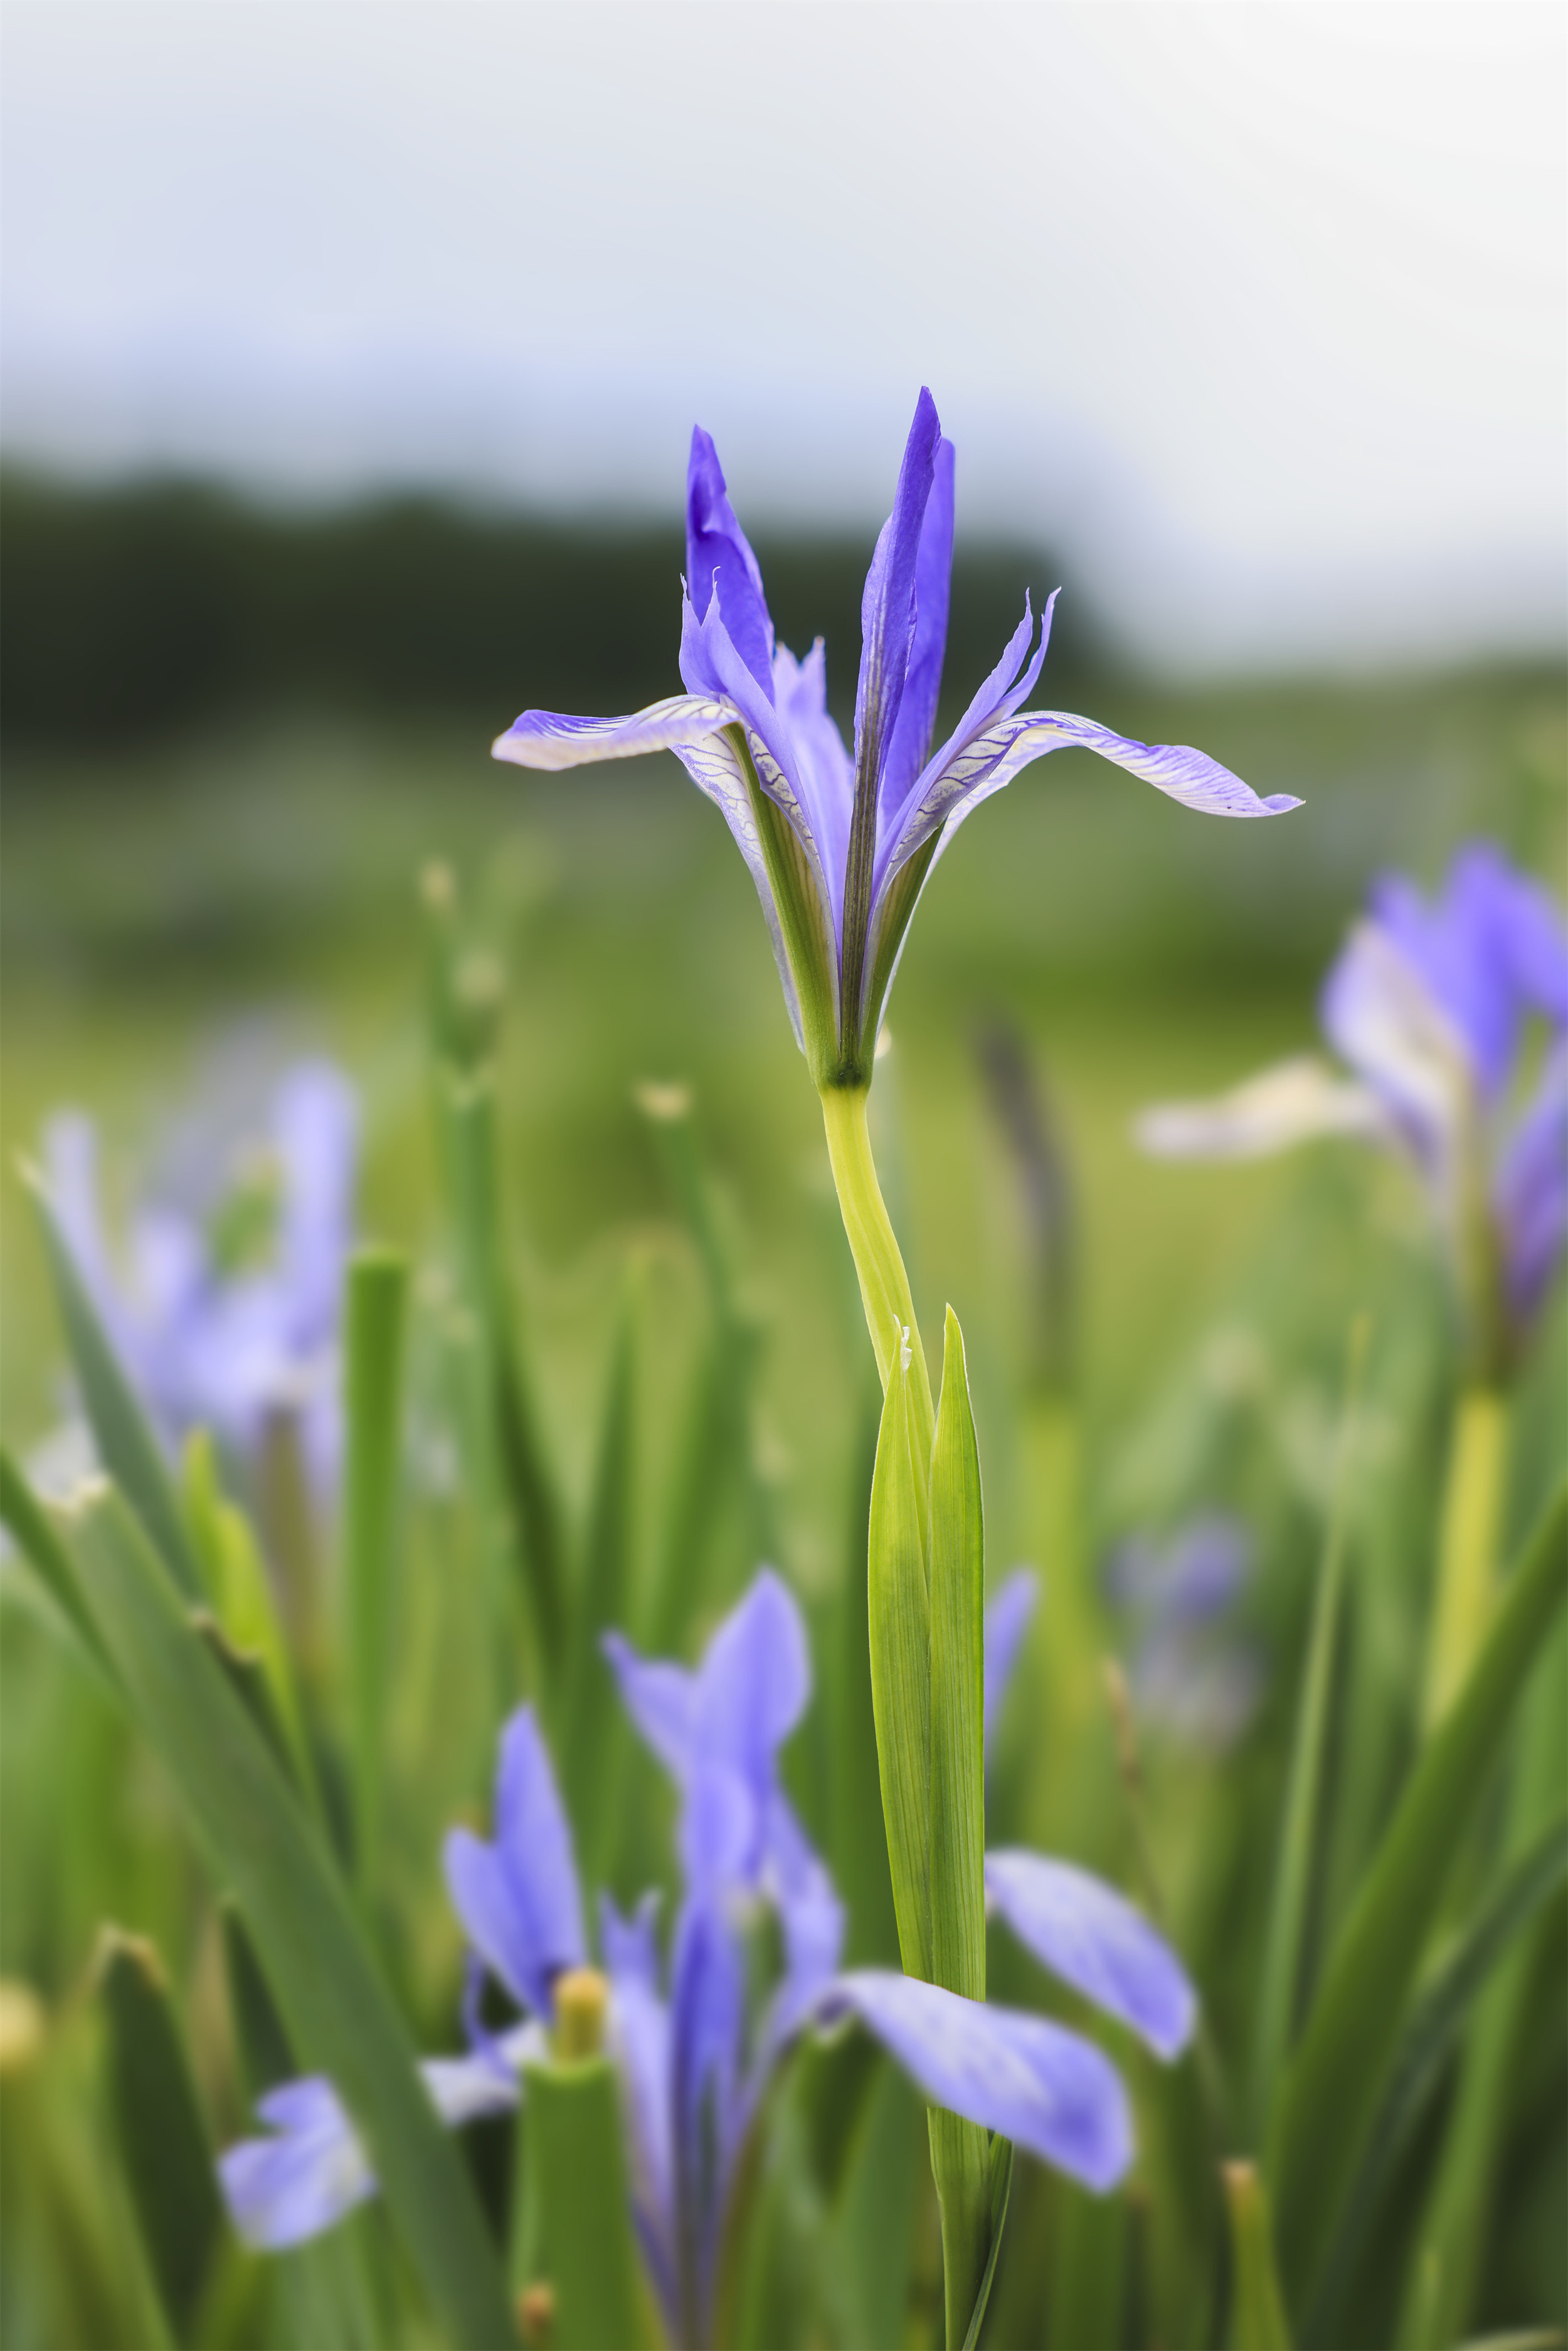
<point>1048,2090</point>
<point>1008,1614</point>
<point>518,1899</point>
<point>550,738</point>
<point>310,2169</point>
<point>719,556</point>
<point>1090,1936</point>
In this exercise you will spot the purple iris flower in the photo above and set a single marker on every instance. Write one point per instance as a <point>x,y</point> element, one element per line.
<point>1432,1006</point>
<point>696,2047</point>
<point>1188,1673</point>
<point>718,1730</point>
<point>840,848</point>
<point>219,1330</point>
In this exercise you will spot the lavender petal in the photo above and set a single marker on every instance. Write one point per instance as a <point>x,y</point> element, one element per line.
<point>1008,1614</point>
<point>518,1899</point>
<point>719,557</point>
<point>548,738</point>
<point>1090,1936</point>
<point>310,2169</point>
<point>1046,2089</point>
<point>887,601</point>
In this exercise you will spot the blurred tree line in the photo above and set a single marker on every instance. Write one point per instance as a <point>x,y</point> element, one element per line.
<point>141,610</point>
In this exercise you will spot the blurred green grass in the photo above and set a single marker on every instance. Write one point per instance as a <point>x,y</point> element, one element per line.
<point>165,910</point>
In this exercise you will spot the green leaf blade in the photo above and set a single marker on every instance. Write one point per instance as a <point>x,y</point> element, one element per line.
<point>375,1323</point>
<point>163,2139</point>
<point>960,2155</point>
<point>258,1841</point>
<point>1328,2095</point>
<point>127,1447</point>
<point>899,1609</point>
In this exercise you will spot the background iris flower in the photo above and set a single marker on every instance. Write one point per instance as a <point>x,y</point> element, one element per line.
<point>1431,1006</point>
<point>697,2050</point>
<point>1188,1673</point>
<point>840,847</point>
<point>225,1307</point>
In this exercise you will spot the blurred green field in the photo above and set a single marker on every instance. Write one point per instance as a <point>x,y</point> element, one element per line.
<point>255,889</point>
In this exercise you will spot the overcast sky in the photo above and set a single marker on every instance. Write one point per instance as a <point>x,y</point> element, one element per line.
<point>1255,313</point>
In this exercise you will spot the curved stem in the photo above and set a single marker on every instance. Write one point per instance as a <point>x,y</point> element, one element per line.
<point>885,1285</point>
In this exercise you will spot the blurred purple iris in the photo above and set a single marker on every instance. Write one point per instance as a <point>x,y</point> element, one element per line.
<point>695,2046</point>
<point>839,881</point>
<point>224,1312</point>
<point>1452,1016</point>
<point>1188,1673</point>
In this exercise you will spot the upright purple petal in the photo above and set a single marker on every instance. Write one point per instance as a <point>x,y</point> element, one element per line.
<point>708,2020</point>
<point>887,603</point>
<point>916,723</point>
<point>710,661</point>
<point>754,1682</point>
<point>1531,1191</point>
<point>1007,1614</point>
<point>1086,1933</point>
<point>661,1698</point>
<point>718,554</point>
<point>822,770</point>
<point>812,1917</point>
<point>1380,1015</point>
<point>548,738</point>
<point>1490,948</point>
<point>518,1899</point>
<point>1050,2092</point>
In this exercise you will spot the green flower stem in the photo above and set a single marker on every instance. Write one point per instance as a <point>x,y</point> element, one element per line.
<point>1468,1553</point>
<point>879,1264</point>
<point>926,1574</point>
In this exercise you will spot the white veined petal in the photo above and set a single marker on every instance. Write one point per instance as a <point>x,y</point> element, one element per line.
<point>551,739</point>
<point>1295,1101</point>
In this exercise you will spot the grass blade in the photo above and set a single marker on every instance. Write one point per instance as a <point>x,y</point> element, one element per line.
<point>593,1742</point>
<point>1330,2094</point>
<point>999,2184</point>
<point>126,1445</point>
<point>1429,2038</point>
<point>257,1841</point>
<point>1283,1952</point>
<point>26,1521</point>
<point>374,1324</point>
<point>163,2139</point>
<point>471,1160</point>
